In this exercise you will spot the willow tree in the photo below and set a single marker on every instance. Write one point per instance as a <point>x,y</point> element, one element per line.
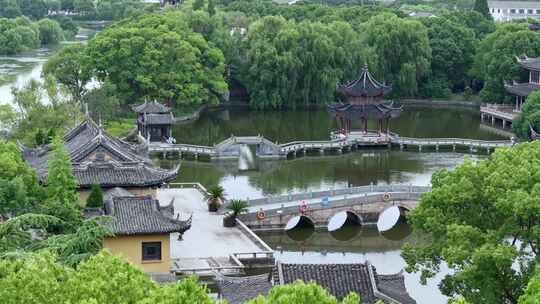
<point>293,64</point>
<point>404,53</point>
<point>483,220</point>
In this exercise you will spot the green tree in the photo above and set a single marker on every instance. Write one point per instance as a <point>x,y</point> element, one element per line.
<point>50,31</point>
<point>495,60</point>
<point>19,188</point>
<point>198,5</point>
<point>482,7</point>
<point>9,9</point>
<point>165,62</point>
<point>71,68</point>
<point>292,65</point>
<point>302,293</point>
<point>84,7</point>
<point>403,49</point>
<point>529,117</point>
<point>62,196</point>
<point>102,279</point>
<point>102,102</point>
<point>452,46</point>
<point>211,8</point>
<point>95,199</point>
<point>532,292</point>
<point>482,219</point>
<point>35,9</point>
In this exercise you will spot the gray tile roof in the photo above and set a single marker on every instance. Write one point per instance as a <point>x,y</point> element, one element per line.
<point>129,167</point>
<point>365,86</point>
<point>237,290</point>
<point>530,63</point>
<point>338,279</point>
<point>135,215</point>
<point>158,119</point>
<point>151,107</point>
<point>522,89</point>
<point>367,111</point>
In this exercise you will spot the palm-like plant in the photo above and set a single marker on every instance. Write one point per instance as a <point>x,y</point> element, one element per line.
<point>216,195</point>
<point>237,207</point>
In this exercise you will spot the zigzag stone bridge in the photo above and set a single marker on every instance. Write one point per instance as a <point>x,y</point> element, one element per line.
<point>358,205</point>
<point>265,148</point>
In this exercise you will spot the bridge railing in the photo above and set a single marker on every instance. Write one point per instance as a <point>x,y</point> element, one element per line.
<point>337,192</point>
<point>360,201</point>
<point>451,141</point>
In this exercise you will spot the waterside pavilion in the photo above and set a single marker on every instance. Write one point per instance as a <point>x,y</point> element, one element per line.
<point>364,100</point>
<point>154,121</point>
<point>506,113</point>
<point>98,158</point>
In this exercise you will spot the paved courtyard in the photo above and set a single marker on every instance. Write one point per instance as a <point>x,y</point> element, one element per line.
<point>207,236</point>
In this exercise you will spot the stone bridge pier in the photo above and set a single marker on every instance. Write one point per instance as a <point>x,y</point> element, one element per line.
<point>318,216</point>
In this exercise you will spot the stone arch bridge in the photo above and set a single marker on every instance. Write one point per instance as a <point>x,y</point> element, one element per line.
<point>363,209</point>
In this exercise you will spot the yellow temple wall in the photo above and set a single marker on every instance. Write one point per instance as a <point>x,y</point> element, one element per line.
<point>130,248</point>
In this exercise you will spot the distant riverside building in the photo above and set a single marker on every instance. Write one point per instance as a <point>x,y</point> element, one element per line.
<point>513,10</point>
<point>522,90</point>
<point>98,158</point>
<point>154,121</point>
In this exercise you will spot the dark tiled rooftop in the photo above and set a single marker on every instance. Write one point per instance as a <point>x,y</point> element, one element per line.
<point>126,165</point>
<point>134,215</point>
<point>365,86</point>
<point>338,279</point>
<point>522,89</point>
<point>151,107</point>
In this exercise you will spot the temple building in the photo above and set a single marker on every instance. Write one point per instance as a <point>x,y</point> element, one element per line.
<point>141,229</point>
<point>364,100</point>
<point>98,158</point>
<point>338,279</point>
<point>522,90</point>
<point>154,121</point>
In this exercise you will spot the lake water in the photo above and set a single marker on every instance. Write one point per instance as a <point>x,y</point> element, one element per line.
<point>20,69</point>
<point>312,173</point>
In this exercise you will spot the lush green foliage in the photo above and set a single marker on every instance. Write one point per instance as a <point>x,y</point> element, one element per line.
<point>70,67</point>
<point>30,115</point>
<point>529,117</point>
<point>19,188</point>
<point>495,60</point>
<point>95,198</point>
<point>50,31</point>
<point>452,47</point>
<point>532,292</point>
<point>482,7</point>
<point>35,9</point>
<point>62,196</point>
<point>158,56</point>
<point>403,50</point>
<point>483,219</point>
<point>302,293</point>
<point>104,278</point>
<point>298,64</point>
<point>237,206</point>
<point>17,35</point>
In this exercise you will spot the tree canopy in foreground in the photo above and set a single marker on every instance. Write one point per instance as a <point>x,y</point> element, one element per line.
<point>484,221</point>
